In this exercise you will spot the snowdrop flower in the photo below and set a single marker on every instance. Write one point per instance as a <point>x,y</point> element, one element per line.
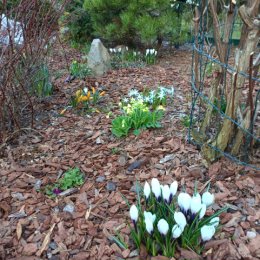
<point>155,53</point>
<point>180,220</point>
<point>163,226</point>
<point>147,52</point>
<point>207,198</point>
<point>166,193</point>
<point>147,190</point>
<point>134,53</point>
<point>119,49</point>
<point>184,201</point>
<point>149,215</point>
<point>134,213</point>
<point>152,51</point>
<point>195,204</point>
<point>207,232</point>
<point>214,222</point>
<point>173,188</point>
<point>176,231</point>
<point>149,225</point>
<point>156,188</point>
<point>203,210</point>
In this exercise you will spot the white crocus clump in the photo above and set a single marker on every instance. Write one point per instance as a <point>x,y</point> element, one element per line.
<point>176,231</point>
<point>150,216</point>
<point>147,190</point>
<point>180,220</point>
<point>134,213</point>
<point>207,198</point>
<point>166,193</point>
<point>184,200</point>
<point>156,188</point>
<point>207,232</point>
<point>163,226</point>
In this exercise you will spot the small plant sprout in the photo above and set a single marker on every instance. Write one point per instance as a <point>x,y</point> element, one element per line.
<point>156,188</point>
<point>207,232</point>
<point>147,190</point>
<point>162,225</point>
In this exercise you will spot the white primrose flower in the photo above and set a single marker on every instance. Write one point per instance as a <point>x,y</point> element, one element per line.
<point>149,215</point>
<point>180,219</point>
<point>214,222</point>
<point>207,232</point>
<point>147,190</point>
<point>173,188</point>
<point>176,231</point>
<point>156,188</point>
<point>166,193</point>
<point>163,226</point>
<point>148,225</point>
<point>134,213</point>
<point>207,198</point>
<point>203,210</point>
<point>184,201</point>
<point>195,204</point>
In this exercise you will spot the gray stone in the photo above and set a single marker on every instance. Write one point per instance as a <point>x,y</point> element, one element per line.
<point>167,158</point>
<point>251,234</point>
<point>98,58</point>
<point>111,186</point>
<point>37,184</point>
<point>100,179</point>
<point>53,245</point>
<point>17,195</point>
<point>69,208</point>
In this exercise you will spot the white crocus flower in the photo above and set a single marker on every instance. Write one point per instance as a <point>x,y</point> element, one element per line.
<point>134,213</point>
<point>119,49</point>
<point>155,53</point>
<point>147,190</point>
<point>207,232</point>
<point>184,201</point>
<point>85,90</point>
<point>147,52</point>
<point>134,53</point>
<point>207,198</point>
<point>173,188</point>
<point>110,49</point>
<point>149,225</point>
<point>163,226</point>
<point>166,193</point>
<point>195,204</point>
<point>176,231</point>
<point>180,219</point>
<point>156,188</point>
<point>149,215</point>
<point>152,51</point>
<point>214,222</point>
<point>203,210</point>
<point>126,48</point>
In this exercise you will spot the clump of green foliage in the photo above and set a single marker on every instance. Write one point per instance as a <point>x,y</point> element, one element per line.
<point>71,179</point>
<point>79,70</point>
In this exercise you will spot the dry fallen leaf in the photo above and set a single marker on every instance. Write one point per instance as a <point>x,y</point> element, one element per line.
<point>19,230</point>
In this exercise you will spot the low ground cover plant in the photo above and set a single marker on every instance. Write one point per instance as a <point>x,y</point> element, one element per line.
<point>162,219</point>
<point>71,179</point>
<point>79,70</point>
<point>141,111</point>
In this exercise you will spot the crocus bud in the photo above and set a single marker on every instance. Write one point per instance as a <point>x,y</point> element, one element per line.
<point>134,213</point>
<point>176,231</point>
<point>214,222</point>
<point>180,219</point>
<point>147,190</point>
<point>184,201</point>
<point>195,205</point>
<point>156,188</point>
<point>149,225</point>
<point>207,198</point>
<point>163,226</point>
<point>149,215</point>
<point>203,210</point>
<point>173,188</point>
<point>166,193</point>
<point>207,232</point>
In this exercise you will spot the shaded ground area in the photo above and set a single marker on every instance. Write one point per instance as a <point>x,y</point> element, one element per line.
<point>33,226</point>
